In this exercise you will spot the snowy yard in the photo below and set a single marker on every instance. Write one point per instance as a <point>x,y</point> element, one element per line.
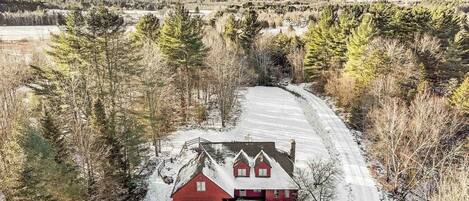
<point>273,114</point>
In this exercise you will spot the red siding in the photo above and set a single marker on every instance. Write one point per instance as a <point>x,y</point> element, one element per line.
<point>189,191</point>
<point>262,165</point>
<point>241,165</point>
<point>250,193</point>
<point>270,195</point>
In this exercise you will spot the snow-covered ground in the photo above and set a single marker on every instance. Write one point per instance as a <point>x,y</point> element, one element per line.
<point>27,32</point>
<point>284,29</point>
<point>357,178</point>
<point>43,32</point>
<point>273,114</point>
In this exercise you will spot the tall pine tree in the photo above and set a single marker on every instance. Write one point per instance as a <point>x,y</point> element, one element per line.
<point>457,56</point>
<point>356,46</point>
<point>249,29</point>
<point>317,56</point>
<point>96,60</point>
<point>182,48</point>
<point>113,184</point>
<point>460,97</point>
<point>148,28</point>
<point>230,31</point>
<point>55,137</point>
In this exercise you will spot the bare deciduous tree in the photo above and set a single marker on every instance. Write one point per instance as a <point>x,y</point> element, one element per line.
<point>228,72</point>
<point>12,115</point>
<point>412,142</point>
<point>158,98</point>
<point>318,180</point>
<point>296,59</point>
<point>454,184</point>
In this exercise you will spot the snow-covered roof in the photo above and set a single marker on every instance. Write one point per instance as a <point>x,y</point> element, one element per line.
<point>261,157</point>
<point>242,156</point>
<point>216,160</point>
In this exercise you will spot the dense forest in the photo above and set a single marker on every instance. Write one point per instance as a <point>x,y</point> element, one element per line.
<point>84,119</point>
<point>401,75</point>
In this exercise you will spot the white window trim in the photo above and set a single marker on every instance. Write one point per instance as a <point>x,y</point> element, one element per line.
<point>242,193</point>
<point>257,190</point>
<point>201,186</point>
<point>262,172</point>
<point>276,194</point>
<point>287,193</point>
<point>242,172</point>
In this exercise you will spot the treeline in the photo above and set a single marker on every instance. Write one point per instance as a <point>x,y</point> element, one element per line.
<point>26,5</point>
<point>103,99</point>
<point>39,17</point>
<point>401,74</point>
<point>22,6</point>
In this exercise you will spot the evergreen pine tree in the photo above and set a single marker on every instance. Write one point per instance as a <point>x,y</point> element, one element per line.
<point>249,29</point>
<point>339,35</point>
<point>317,56</point>
<point>55,137</point>
<point>113,183</point>
<point>43,178</point>
<point>460,97</point>
<point>444,24</point>
<point>182,48</point>
<point>96,60</point>
<point>181,40</point>
<point>356,46</point>
<point>67,46</point>
<point>383,13</point>
<point>456,57</point>
<point>148,28</point>
<point>462,39</point>
<point>230,31</point>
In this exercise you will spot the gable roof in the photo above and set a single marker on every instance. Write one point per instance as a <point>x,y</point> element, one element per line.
<point>204,164</point>
<point>261,157</point>
<point>216,160</point>
<point>241,157</point>
<point>222,150</point>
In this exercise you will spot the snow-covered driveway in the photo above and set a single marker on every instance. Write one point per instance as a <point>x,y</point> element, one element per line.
<point>273,114</point>
<point>357,178</point>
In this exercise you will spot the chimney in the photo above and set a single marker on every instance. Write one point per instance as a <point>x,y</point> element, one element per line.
<point>292,150</point>
<point>248,137</point>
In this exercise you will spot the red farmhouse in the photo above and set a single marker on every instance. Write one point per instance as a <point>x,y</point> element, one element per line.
<point>225,171</point>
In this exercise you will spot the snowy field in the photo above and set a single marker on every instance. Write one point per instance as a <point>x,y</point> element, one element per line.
<point>43,32</point>
<point>273,114</point>
<point>284,29</point>
<point>27,32</point>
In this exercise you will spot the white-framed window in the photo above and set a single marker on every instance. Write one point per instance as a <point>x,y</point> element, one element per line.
<point>275,194</point>
<point>287,193</point>
<point>201,186</point>
<point>242,193</point>
<point>242,172</point>
<point>263,172</point>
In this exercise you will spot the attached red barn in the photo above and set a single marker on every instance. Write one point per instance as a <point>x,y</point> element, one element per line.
<point>225,171</point>
<point>200,188</point>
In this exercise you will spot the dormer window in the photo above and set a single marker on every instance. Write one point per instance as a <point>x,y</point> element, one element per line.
<point>262,166</point>
<point>241,165</point>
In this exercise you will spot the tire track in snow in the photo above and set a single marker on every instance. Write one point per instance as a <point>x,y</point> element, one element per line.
<point>355,172</point>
